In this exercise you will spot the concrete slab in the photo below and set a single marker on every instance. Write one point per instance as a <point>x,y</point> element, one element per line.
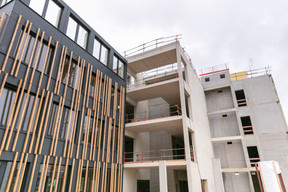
<point>172,125</point>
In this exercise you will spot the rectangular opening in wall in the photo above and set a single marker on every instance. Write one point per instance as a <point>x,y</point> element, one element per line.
<point>129,142</point>
<point>143,185</point>
<point>130,116</point>
<point>241,99</point>
<point>253,155</point>
<point>204,185</point>
<point>247,125</point>
<point>191,144</point>
<point>255,181</point>
<point>188,106</point>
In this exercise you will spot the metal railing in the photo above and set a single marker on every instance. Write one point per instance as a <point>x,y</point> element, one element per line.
<point>214,69</point>
<point>154,76</point>
<point>152,45</point>
<point>241,102</point>
<point>157,155</point>
<point>251,73</point>
<point>161,111</point>
<point>247,130</point>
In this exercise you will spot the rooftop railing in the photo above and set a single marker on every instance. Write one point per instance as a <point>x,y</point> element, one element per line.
<point>152,45</point>
<point>251,73</point>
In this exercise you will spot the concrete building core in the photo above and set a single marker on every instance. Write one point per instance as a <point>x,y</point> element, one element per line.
<point>186,132</point>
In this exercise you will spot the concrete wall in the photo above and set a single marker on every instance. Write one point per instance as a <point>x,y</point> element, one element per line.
<point>222,126</point>
<point>219,99</point>
<point>236,183</point>
<point>230,155</point>
<point>215,80</point>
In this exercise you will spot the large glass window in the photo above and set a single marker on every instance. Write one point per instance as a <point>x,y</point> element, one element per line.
<point>77,33</point>
<point>52,119</point>
<point>37,6</point>
<point>53,13</point>
<point>100,52</point>
<point>64,128</point>
<point>118,67</point>
<point>82,37</point>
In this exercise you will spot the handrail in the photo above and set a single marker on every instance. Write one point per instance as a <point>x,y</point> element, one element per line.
<point>152,45</point>
<point>251,73</point>
<point>155,155</point>
<point>165,111</point>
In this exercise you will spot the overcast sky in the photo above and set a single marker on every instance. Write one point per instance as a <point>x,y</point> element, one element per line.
<point>213,31</point>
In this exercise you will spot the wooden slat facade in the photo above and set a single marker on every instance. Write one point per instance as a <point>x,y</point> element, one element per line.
<point>78,113</point>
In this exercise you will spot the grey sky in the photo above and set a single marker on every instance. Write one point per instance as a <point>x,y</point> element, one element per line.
<point>213,31</point>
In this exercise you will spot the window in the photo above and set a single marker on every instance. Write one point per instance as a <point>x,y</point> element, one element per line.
<point>247,125</point>
<point>241,99</point>
<point>74,75</point>
<point>253,155</point>
<point>92,85</point>
<point>37,6</point>
<point>28,52</point>
<point>77,33</point>
<point>207,79</point>
<point>52,119</point>
<point>100,52</point>
<point>3,2</point>
<point>6,101</point>
<point>65,122</point>
<point>222,76</point>
<point>52,14</point>
<point>90,127</point>
<point>118,67</point>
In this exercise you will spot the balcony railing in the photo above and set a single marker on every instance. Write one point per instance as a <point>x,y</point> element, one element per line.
<point>154,76</point>
<point>152,45</point>
<point>158,112</point>
<point>157,155</point>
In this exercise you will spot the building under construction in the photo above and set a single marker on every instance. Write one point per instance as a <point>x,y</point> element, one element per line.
<point>189,132</point>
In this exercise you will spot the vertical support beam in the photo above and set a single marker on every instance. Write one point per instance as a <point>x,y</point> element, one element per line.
<point>163,176</point>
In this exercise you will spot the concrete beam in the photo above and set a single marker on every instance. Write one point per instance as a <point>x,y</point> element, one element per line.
<point>163,176</point>
<point>222,111</point>
<point>225,139</point>
<point>233,170</point>
<point>130,134</point>
<point>131,101</point>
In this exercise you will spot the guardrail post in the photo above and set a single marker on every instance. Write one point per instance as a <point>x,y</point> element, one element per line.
<point>142,157</point>
<point>137,157</point>
<point>145,116</point>
<point>177,109</point>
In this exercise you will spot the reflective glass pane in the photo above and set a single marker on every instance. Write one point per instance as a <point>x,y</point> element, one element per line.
<point>53,13</point>
<point>96,48</point>
<point>82,37</point>
<point>71,29</point>
<point>104,55</point>
<point>115,64</point>
<point>121,69</point>
<point>37,5</point>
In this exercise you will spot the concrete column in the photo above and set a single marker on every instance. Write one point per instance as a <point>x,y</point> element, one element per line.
<point>163,176</point>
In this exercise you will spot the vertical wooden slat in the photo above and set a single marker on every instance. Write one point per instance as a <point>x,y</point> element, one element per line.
<point>52,66</point>
<point>42,172</point>
<point>33,171</point>
<point>58,128</point>
<point>18,172</point>
<point>92,135</point>
<point>70,149</point>
<point>93,177</point>
<point>103,175</point>
<point>58,173</point>
<point>86,176</point>
<point>53,174</point>
<point>32,118</point>
<point>59,67</point>
<point>2,19</point>
<point>10,116</point>
<point>44,129</point>
<point>11,173</point>
<point>41,189</point>
<point>65,175</point>
<point>61,70</point>
<point>22,173</point>
<point>71,176</point>
<point>3,83</point>
<point>22,51</point>
<point>115,100</point>
<point>19,47</point>
<point>41,122</point>
<point>89,84</point>
<point>106,177</point>
<point>86,139</point>
<point>56,124</point>
<point>79,175</point>
<point>11,43</point>
<point>109,141</point>
<point>112,178</point>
